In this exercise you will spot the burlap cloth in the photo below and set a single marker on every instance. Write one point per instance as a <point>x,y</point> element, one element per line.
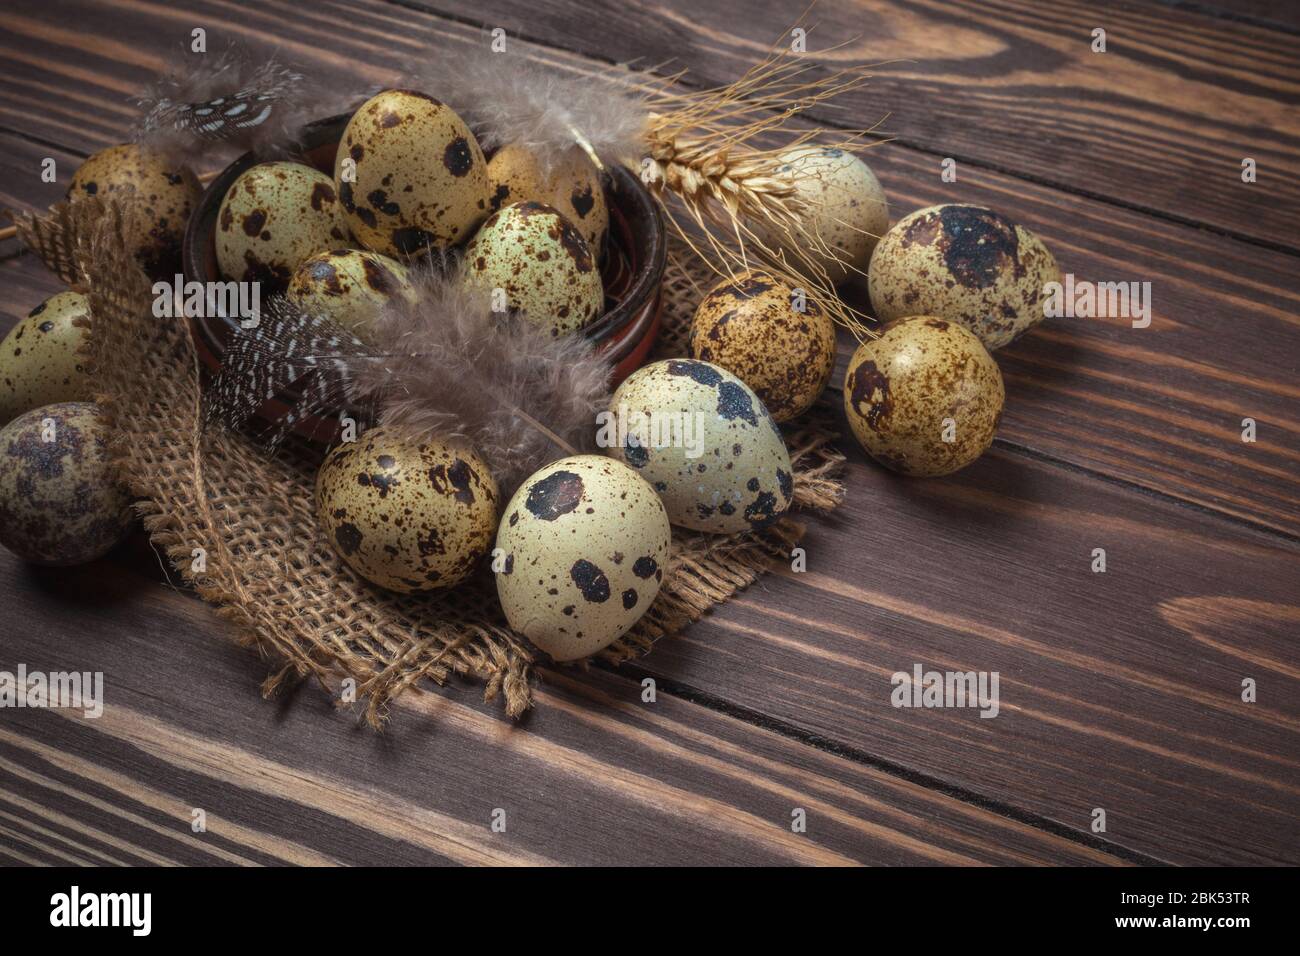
<point>239,525</point>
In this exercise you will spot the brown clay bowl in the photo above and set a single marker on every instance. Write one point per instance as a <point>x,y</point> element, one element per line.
<point>632,267</point>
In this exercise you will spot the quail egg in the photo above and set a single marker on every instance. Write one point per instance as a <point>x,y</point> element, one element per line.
<point>849,212</point>
<point>776,340</point>
<point>925,398</point>
<point>541,263</point>
<point>407,515</point>
<point>410,174</point>
<point>273,217</point>
<point>572,187</point>
<point>39,360</point>
<point>349,286</point>
<point>705,442</point>
<point>167,192</point>
<point>583,547</point>
<point>60,502</point>
<point>966,264</point>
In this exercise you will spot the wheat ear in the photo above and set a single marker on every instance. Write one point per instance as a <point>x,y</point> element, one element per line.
<point>735,207</point>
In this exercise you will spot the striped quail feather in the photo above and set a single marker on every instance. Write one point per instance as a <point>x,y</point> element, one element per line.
<point>225,99</point>
<point>288,347</point>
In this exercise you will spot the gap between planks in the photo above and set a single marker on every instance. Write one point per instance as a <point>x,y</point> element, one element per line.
<point>634,672</point>
<point>1232,16</point>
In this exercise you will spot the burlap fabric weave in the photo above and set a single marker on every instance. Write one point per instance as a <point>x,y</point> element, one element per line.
<point>239,525</point>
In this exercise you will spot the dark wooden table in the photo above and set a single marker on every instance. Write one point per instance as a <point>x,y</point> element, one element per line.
<point>1120,691</point>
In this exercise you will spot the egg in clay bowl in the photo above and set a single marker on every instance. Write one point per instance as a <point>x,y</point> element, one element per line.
<point>706,444</point>
<point>543,265</point>
<point>349,286</point>
<point>273,217</point>
<point>583,546</point>
<point>925,398</point>
<point>167,193</point>
<point>848,209</point>
<point>966,264</point>
<point>404,514</point>
<point>753,327</point>
<point>410,174</point>
<point>39,360</point>
<point>60,503</point>
<point>572,187</point>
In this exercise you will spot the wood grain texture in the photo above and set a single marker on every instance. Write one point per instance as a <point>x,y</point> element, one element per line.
<point>1161,406</point>
<point>26,283</point>
<point>1118,688</point>
<point>1160,121</point>
<point>594,775</point>
<point>21,186</point>
<point>1120,691</point>
<point>1270,14</point>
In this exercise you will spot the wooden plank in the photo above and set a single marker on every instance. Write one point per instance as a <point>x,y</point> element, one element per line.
<point>994,577</point>
<point>822,655</point>
<point>1160,406</point>
<point>1161,121</point>
<point>1119,690</point>
<point>594,775</point>
<point>21,162</point>
<point>1270,14</point>
<point>27,283</point>
<point>22,186</point>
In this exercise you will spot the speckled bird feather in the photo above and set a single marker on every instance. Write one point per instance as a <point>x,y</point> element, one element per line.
<point>287,348</point>
<point>230,100</point>
<point>445,367</point>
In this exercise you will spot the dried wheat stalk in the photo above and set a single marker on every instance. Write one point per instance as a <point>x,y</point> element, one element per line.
<point>700,149</point>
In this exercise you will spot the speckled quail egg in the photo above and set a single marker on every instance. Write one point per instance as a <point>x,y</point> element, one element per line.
<point>167,192</point>
<point>410,174</point>
<point>408,515</point>
<point>705,442</point>
<point>273,217</point>
<point>583,547</point>
<point>966,264</point>
<point>59,500</point>
<point>925,398</point>
<point>753,327</point>
<point>573,187</point>
<point>39,360</point>
<point>542,263</point>
<point>848,208</point>
<point>349,286</point>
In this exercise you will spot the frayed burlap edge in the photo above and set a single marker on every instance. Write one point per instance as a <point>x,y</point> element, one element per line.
<point>240,526</point>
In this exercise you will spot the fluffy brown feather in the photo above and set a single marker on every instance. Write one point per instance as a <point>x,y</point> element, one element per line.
<point>507,98</point>
<point>453,369</point>
<point>446,367</point>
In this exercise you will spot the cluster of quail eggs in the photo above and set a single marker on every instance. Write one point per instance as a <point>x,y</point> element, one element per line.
<point>581,548</point>
<point>414,514</point>
<point>411,182</point>
<point>948,285</point>
<point>59,501</point>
